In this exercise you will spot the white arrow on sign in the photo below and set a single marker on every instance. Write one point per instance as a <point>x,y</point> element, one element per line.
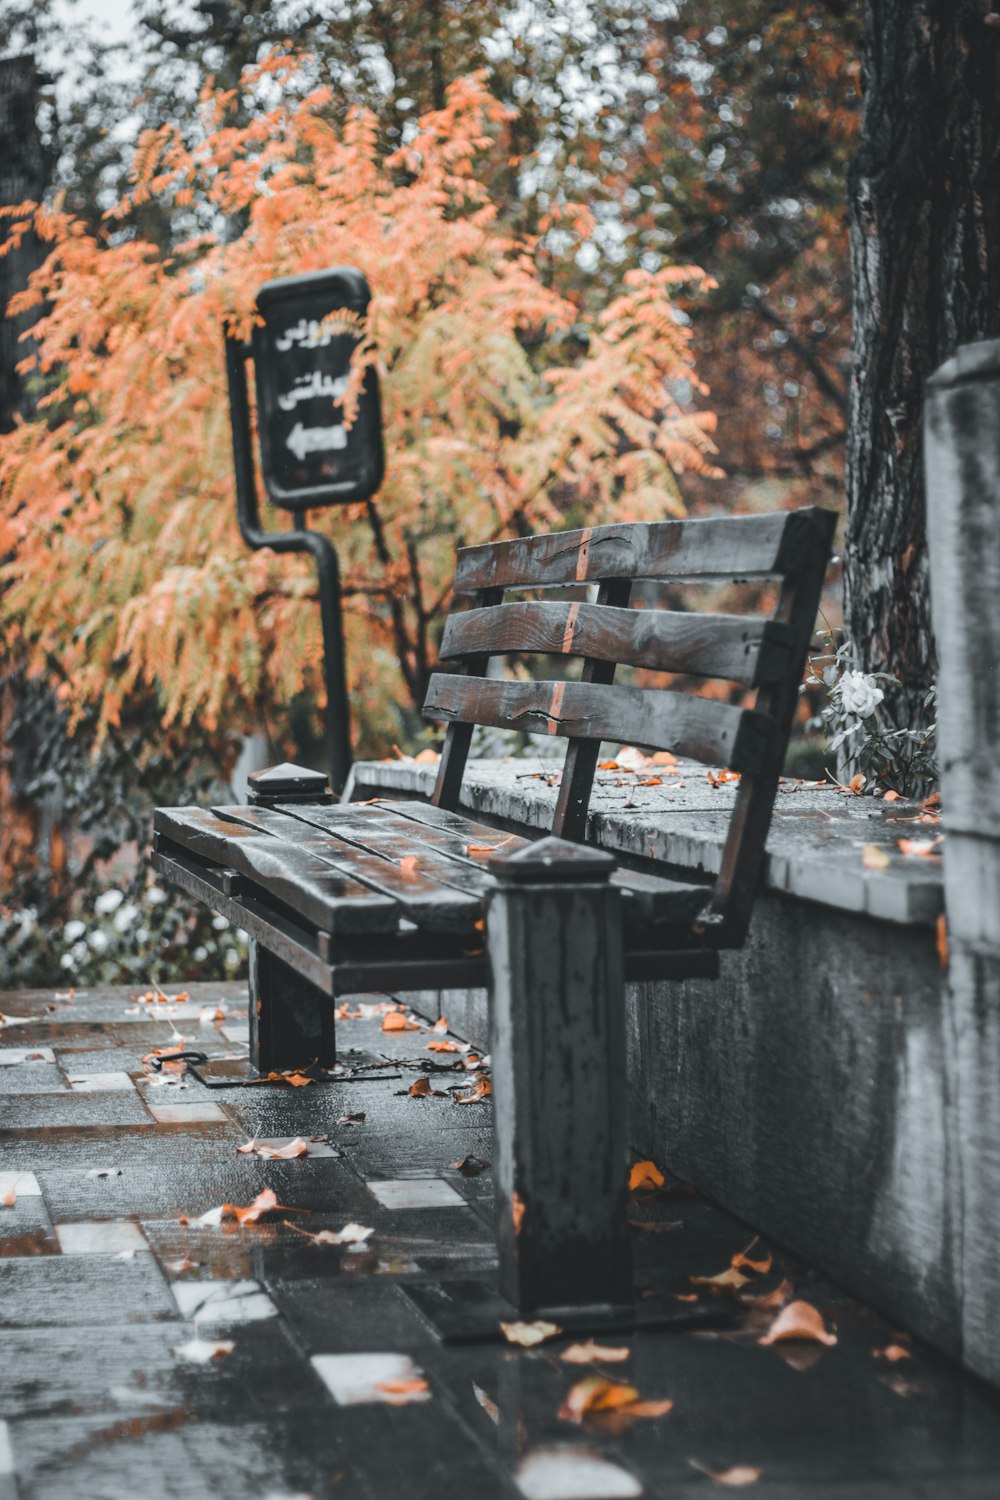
<point>303,440</point>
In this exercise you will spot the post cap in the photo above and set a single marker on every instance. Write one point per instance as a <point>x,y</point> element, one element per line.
<point>286,780</point>
<point>977,361</point>
<point>551,859</point>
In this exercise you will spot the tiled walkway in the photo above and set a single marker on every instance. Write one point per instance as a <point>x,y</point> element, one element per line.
<point>147,1353</point>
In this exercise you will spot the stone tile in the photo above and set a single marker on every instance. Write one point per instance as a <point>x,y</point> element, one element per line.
<point>101,1237</point>
<point>12,1057</point>
<point>24,1184</point>
<point>31,1078</point>
<point>222,1304</point>
<point>98,1083</point>
<point>187,1112</point>
<point>354,1379</point>
<point>417,1192</point>
<point>57,1291</point>
<point>570,1473</point>
<point>43,1112</point>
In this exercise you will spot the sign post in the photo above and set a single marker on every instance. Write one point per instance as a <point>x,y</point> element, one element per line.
<point>310,457</point>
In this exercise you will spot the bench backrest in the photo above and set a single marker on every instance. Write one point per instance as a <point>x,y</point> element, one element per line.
<point>765,654</point>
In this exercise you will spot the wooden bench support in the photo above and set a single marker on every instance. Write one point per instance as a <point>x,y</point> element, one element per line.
<point>554,933</point>
<point>291,1021</point>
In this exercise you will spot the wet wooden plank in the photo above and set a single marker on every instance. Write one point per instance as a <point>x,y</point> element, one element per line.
<point>379,831</point>
<point>649,898</point>
<point>717,547</point>
<point>713,733</point>
<point>330,898</point>
<point>425,900</point>
<point>737,648</point>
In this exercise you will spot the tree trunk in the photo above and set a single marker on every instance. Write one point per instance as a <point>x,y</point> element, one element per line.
<point>925,244</point>
<point>22,176</point>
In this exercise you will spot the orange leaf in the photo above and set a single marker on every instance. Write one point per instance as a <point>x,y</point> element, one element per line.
<point>529,1334</point>
<point>584,1354</point>
<point>891,797</point>
<point>481,1090</point>
<point>477,849</point>
<point>408,864</point>
<point>517,1206</point>
<point>607,765</point>
<point>760,1266</point>
<point>893,1353</point>
<point>777,1297</point>
<point>728,1280</point>
<point>444,1046</point>
<point>799,1320</point>
<point>921,848</point>
<point>296,1079</point>
<point>874,858</point>
<point>8,1199</point>
<point>420,1088</point>
<point>262,1204</point>
<point>396,1021</point>
<point>942,940</point>
<point>856,785</point>
<point>440,1024</point>
<point>645,1176</point>
<point>596,1394</point>
<point>736,1478</point>
<point>398,1392</point>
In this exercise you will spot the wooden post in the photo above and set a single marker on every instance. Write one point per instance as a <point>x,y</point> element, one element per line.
<point>554,931</point>
<point>962,438</point>
<point>291,1021</point>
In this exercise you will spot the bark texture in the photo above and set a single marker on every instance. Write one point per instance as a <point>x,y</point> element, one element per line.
<point>22,176</point>
<point>925,241</point>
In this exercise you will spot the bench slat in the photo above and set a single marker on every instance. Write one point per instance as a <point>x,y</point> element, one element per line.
<point>649,898</point>
<point>713,733</point>
<point>723,547</point>
<point>378,831</point>
<point>328,897</point>
<point>434,906</point>
<point>738,648</point>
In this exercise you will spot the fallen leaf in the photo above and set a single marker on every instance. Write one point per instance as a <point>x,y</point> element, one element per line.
<point>934,800</point>
<point>356,1119</point>
<point>736,1478</point>
<point>595,1395</point>
<point>262,1204</point>
<point>607,765</point>
<point>440,1024</point>
<point>487,1403</point>
<point>482,1089</point>
<point>942,940</point>
<point>651,781</point>
<point>345,1013</point>
<point>777,1297</point>
<point>297,1079</point>
<point>399,1392</point>
<point>645,1176</point>
<point>469,1166</point>
<point>475,850</point>
<point>685,1296</point>
<point>730,1280</point>
<point>351,1234</point>
<point>444,1046</point>
<point>296,1148</point>
<point>427,757</point>
<point>874,858</point>
<point>856,785</point>
<point>527,1335</point>
<point>396,1021</point>
<point>204,1351</point>
<point>517,1207</point>
<point>892,797</point>
<point>211,1014</point>
<point>408,864</point>
<point>584,1354</point>
<point>799,1320</point>
<point>920,848</point>
<point>893,1353</point>
<point>8,1199</point>
<point>420,1088</point>
<point>742,1260</point>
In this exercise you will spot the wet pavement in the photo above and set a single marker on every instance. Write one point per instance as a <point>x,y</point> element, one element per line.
<point>152,1345</point>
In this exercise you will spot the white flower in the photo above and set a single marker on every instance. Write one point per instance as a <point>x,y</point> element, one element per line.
<point>67,961</point>
<point>156,895</point>
<point>200,954</point>
<point>73,930</point>
<point>125,916</point>
<point>79,952</point>
<point>859,694</point>
<point>220,923</point>
<point>98,940</point>
<point>107,902</point>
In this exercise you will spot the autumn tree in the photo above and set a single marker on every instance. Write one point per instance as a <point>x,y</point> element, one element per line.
<point>925,230</point>
<point>507,407</point>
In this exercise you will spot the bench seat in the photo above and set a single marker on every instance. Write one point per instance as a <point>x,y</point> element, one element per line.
<point>325,887</point>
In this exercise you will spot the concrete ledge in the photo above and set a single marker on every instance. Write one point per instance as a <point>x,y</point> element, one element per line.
<point>810,1089</point>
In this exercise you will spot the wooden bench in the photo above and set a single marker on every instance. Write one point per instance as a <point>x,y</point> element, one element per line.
<point>395,896</point>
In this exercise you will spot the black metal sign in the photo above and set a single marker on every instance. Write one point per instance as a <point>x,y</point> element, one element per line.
<point>302,353</point>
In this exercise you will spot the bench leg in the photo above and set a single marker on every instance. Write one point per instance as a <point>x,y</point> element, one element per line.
<point>291,1021</point>
<point>559,1090</point>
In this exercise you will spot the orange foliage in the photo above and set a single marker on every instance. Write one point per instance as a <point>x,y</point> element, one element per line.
<point>506,404</point>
